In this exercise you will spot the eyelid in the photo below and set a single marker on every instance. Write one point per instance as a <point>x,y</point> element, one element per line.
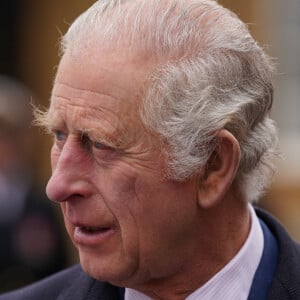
<point>100,146</point>
<point>101,141</point>
<point>91,142</point>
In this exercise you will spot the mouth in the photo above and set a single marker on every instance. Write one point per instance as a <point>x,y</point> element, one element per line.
<point>92,235</point>
<point>92,230</point>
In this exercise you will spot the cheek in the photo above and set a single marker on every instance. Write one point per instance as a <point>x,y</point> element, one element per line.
<point>137,194</point>
<point>166,206</point>
<point>134,199</point>
<point>117,188</point>
<point>157,218</point>
<point>119,191</point>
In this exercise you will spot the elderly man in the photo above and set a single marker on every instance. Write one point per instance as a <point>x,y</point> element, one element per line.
<point>162,139</point>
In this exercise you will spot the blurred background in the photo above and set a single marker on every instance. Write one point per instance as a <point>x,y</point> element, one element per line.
<point>29,34</point>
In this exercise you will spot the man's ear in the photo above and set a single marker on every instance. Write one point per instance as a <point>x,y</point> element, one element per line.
<point>220,170</point>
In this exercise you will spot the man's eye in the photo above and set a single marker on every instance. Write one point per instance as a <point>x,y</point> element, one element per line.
<point>59,135</point>
<point>100,146</point>
<point>103,152</point>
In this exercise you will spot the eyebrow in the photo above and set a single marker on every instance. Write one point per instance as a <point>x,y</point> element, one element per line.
<point>103,138</point>
<point>42,118</point>
<point>45,120</point>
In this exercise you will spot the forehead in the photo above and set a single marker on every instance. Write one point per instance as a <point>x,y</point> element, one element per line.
<point>111,73</point>
<point>100,93</point>
<point>106,86</point>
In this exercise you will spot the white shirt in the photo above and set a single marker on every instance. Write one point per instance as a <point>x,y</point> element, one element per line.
<point>235,279</point>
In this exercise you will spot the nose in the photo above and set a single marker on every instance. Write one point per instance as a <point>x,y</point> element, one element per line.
<point>70,173</point>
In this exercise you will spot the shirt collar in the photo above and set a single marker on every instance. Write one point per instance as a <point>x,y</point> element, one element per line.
<point>235,279</point>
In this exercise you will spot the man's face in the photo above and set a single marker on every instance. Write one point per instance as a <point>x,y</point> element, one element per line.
<point>129,223</point>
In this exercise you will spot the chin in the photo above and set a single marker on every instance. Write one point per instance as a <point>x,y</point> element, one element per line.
<point>110,269</point>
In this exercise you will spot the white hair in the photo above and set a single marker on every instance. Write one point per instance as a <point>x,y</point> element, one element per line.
<point>213,76</point>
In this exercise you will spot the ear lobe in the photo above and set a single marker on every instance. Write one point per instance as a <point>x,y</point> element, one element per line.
<point>220,170</point>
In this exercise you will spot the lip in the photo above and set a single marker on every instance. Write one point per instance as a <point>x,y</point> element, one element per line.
<point>99,235</point>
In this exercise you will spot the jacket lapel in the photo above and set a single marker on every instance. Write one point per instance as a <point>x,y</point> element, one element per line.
<point>265,272</point>
<point>87,288</point>
<point>286,283</point>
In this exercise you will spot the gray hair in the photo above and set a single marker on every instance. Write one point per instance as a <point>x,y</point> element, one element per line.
<point>213,76</point>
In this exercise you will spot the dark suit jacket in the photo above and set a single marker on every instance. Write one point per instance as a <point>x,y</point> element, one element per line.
<point>74,284</point>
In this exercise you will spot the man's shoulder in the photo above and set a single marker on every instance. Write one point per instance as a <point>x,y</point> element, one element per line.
<point>69,284</point>
<point>288,246</point>
<point>51,287</point>
<point>286,283</point>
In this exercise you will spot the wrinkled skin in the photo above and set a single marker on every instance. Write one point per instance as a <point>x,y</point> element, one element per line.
<point>132,225</point>
<point>109,173</point>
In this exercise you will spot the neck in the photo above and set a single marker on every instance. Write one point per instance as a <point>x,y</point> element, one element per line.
<point>222,231</point>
